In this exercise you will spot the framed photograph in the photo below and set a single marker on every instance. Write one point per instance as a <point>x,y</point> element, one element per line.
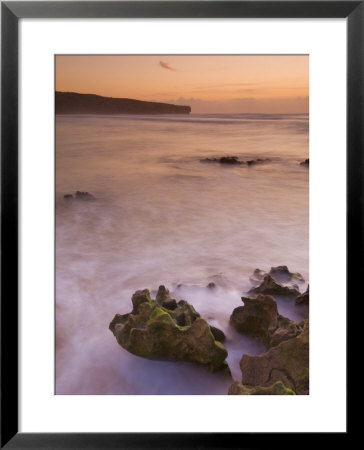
<point>181,221</point>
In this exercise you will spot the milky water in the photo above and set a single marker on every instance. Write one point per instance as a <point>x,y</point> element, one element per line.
<point>163,217</point>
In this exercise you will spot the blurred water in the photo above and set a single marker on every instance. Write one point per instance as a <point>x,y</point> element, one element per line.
<point>163,217</point>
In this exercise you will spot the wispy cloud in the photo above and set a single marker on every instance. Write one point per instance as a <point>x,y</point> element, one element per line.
<point>165,65</point>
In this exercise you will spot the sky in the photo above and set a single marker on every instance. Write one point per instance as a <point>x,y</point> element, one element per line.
<point>210,84</point>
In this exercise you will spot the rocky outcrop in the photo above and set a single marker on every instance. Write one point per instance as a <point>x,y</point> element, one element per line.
<point>84,196</point>
<point>259,318</point>
<point>303,299</point>
<point>230,160</point>
<point>74,103</point>
<point>278,388</point>
<point>287,362</point>
<point>280,274</point>
<point>234,160</point>
<point>154,331</point>
<point>271,287</point>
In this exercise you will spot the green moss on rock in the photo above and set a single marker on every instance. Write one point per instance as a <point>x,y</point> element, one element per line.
<point>155,332</point>
<point>278,388</point>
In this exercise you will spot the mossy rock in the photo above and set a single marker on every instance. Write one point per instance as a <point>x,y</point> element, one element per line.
<point>259,318</point>
<point>278,388</point>
<point>153,331</point>
<point>288,362</point>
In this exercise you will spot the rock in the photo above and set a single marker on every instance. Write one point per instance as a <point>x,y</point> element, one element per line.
<point>138,298</point>
<point>278,388</point>
<point>280,274</point>
<point>234,160</point>
<point>288,362</point>
<point>283,275</point>
<point>211,285</point>
<point>230,160</point>
<point>152,331</point>
<point>257,276</point>
<point>252,162</point>
<point>85,196</point>
<point>286,329</point>
<point>218,334</point>
<point>68,196</point>
<point>303,299</point>
<point>163,298</point>
<point>306,162</point>
<point>259,318</point>
<point>269,286</point>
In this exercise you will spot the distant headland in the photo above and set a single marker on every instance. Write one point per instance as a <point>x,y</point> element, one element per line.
<point>74,103</point>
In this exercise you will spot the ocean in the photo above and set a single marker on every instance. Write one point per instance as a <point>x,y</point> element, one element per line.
<point>161,216</point>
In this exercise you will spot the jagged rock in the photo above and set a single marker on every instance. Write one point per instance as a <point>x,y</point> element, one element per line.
<point>283,275</point>
<point>230,160</point>
<point>234,160</point>
<point>280,274</point>
<point>286,329</point>
<point>152,331</point>
<point>288,362</point>
<point>272,287</point>
<point>218,334</point>
<point>257,276</point>
<point>303,299</point>
<point>252,162</point>
<point>259,318</point>
<point>85,196</point>
<point>306,162</point>
<point>278,388</point>
<point>164,299</point>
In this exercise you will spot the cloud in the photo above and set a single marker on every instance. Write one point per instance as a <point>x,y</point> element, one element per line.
<point>165,65</point>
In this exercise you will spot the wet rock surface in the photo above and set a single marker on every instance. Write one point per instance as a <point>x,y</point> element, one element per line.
<point>280,274</point>
<point>259,318</point>
<point>153,331</point>
<point>278,388</point>
<point>287,362</point>
<point>304,299</point>
<point>271,287</point>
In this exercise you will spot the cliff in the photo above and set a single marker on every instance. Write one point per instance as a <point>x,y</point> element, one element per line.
<point>73,103</point>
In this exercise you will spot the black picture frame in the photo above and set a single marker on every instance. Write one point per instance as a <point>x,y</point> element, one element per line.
<point>11,12</point>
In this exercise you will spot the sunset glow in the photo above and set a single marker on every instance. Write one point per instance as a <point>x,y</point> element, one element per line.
<point>209,84</point>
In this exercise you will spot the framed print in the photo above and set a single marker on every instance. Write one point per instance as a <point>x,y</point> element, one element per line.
<point>178,178</point>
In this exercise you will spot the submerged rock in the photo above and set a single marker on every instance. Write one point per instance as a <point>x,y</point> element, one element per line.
<point>231,160</point>
<point>156,332</point>
<point>272,287</point>
<point>234,160</point>
<point>304,298</point>
<point>278,388</point>
<point>252,162</point>
<point>86,196</point>
<point>288,363</point>
<point>259,318</point>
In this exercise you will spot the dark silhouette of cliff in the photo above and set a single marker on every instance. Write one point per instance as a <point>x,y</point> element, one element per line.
<point>73,103</point>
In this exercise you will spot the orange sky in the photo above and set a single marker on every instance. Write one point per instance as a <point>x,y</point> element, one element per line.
<point>209,84</point>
